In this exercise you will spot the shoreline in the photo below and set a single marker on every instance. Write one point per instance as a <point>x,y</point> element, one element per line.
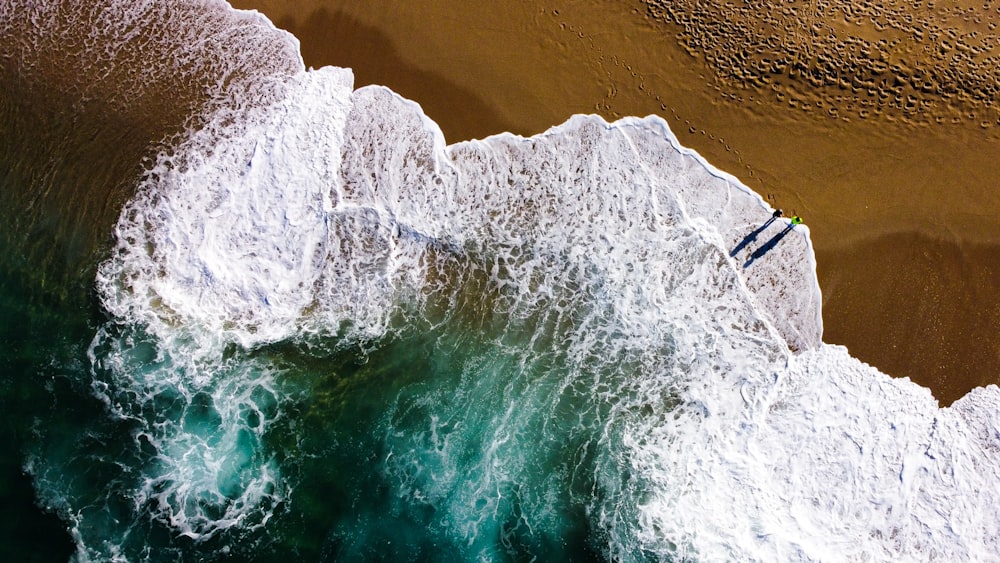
<point>910,205</point>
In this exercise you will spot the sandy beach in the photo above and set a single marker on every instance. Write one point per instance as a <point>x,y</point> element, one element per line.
<point>878,126</point>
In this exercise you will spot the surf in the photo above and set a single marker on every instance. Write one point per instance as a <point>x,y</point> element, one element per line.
<point>327,332</point>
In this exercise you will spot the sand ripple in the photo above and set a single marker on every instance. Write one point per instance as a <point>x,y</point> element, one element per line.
<point>918,62</point>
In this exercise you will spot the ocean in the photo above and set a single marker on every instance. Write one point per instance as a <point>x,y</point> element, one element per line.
<point>252,313</point>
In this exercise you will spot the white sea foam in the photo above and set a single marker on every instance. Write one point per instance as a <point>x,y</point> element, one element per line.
<point>830,460</point>
<point>202,426</point>
<point>219,248</point>
<point>233,238</point>
<point>729,430</point>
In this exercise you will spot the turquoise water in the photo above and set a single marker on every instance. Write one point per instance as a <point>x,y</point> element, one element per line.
<point>469,436</point>
<point>453,443</point>
<point>280,318</point>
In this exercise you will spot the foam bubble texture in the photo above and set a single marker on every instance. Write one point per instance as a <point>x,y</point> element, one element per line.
<point>829,459</point>
<point>200,429</point>
<point>606,249</point>
<point>230,237</point>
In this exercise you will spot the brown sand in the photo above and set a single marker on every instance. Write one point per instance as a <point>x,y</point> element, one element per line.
<point>877,125</point>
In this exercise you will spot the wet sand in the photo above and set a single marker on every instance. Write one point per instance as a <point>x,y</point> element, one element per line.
<point>878,125</point>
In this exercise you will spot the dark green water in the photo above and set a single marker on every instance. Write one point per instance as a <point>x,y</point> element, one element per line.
<point>442,445</point>
<point>81,113</point>
<point>44,341</point>
<point>250,313</point>
<point>485,423</point>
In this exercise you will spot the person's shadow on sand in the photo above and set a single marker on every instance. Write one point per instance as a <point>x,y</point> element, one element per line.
<point>752,236</point>
<point>767,246</point>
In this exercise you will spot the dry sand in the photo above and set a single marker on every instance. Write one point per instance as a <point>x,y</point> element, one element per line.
<point>877,122</point>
